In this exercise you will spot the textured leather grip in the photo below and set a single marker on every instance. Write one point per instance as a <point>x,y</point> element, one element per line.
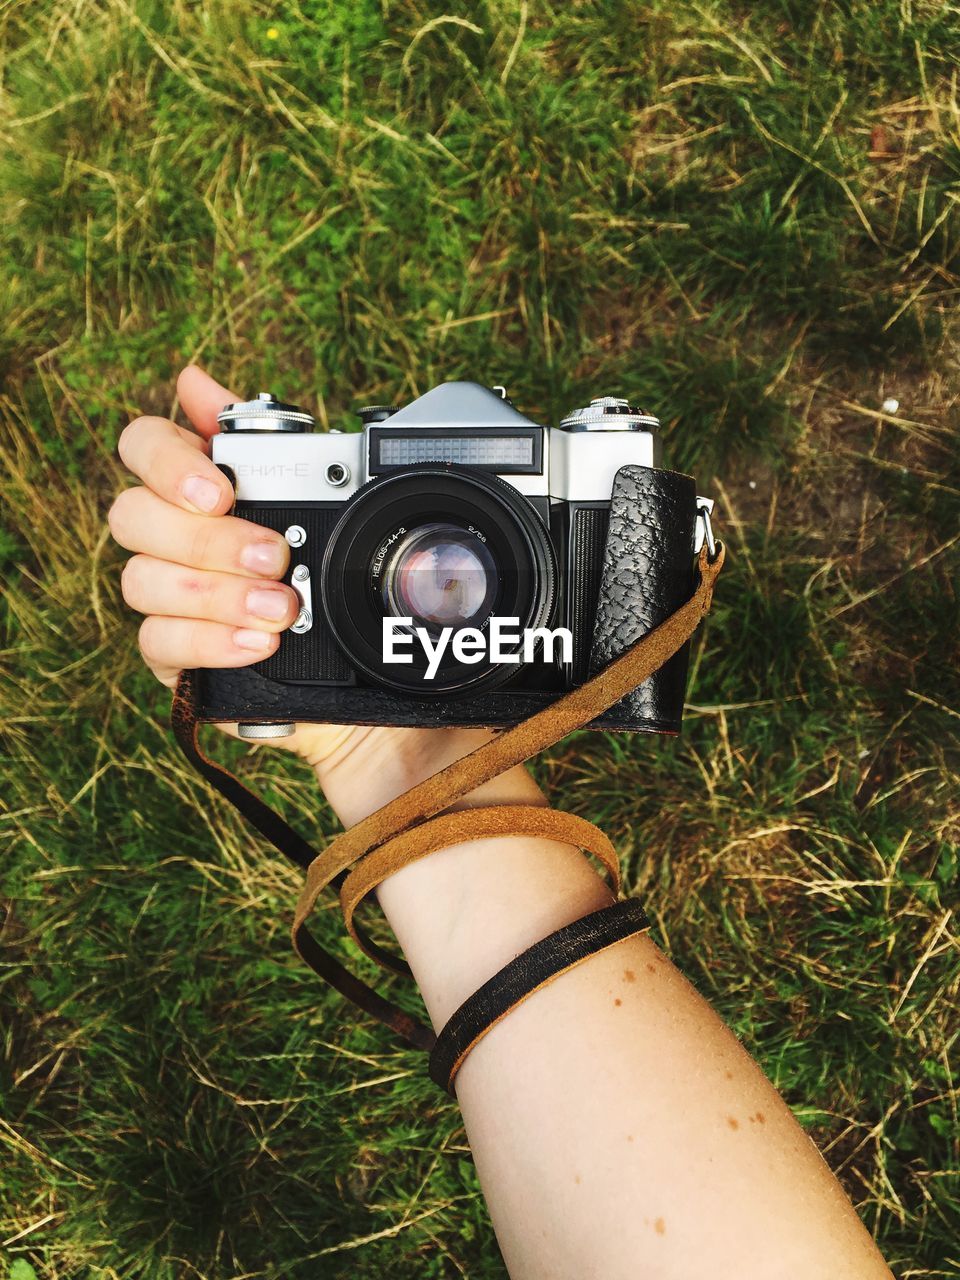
<point>647,574</point>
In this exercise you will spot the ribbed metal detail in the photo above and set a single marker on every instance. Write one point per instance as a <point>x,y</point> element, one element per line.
<point>588,536</point>
<point>265,732</point>
<point>313,656</point>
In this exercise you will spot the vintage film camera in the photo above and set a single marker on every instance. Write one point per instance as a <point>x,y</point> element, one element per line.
<point>451,511</point>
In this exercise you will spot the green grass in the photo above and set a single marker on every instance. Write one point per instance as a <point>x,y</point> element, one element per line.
<point>746,216</point>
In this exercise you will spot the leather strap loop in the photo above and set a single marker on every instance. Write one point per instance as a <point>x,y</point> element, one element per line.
<point>454,828</point>
<point>513,746</point>
<point>398,824</point>
<point>517,981</point>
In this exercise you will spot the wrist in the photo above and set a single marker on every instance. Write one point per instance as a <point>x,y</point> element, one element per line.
<point>362,768</point>
<point>463,912</point>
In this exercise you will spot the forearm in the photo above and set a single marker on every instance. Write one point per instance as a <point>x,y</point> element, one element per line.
<point>618,1127</point>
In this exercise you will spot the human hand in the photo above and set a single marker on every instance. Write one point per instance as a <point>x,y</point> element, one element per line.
<point>209,586</point>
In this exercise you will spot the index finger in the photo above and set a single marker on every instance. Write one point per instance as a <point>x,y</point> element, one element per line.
<point>174,467</point>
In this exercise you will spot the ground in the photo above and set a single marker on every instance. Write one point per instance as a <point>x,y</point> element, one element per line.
<point>743,216</point>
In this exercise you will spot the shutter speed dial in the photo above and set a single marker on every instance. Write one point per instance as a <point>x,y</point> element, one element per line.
<point>265,413</point>
<point>610,413</point>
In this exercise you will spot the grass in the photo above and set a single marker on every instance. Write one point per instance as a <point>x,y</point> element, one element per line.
<point>747,216</point>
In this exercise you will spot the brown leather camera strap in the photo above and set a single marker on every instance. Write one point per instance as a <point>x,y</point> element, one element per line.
<point>468,824</point>
<point>408,827</point>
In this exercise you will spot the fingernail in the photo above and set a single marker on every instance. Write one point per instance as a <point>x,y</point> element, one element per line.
<point>201,493</point>
<point>266,604</point>
<point>267,558</point>
<point>257,641</point>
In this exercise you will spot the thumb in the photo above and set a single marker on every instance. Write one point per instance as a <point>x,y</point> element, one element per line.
<point>202,399</point>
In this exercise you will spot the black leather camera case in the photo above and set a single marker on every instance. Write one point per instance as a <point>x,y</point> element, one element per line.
<point>648,571</point>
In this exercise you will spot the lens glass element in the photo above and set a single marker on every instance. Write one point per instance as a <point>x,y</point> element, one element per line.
<point>441,575</point>
<point>448,547</point>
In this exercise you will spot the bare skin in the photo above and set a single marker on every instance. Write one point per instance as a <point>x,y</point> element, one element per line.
<point>618,1127</point>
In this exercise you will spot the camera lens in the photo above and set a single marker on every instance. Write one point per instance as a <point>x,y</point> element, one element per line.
<point>447,547</point>
<point>441,576</point>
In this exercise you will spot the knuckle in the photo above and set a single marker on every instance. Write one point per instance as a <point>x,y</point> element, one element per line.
<point>127,437</point>
<point>131,582</point>
<point>119,515</point>
<point>114,516</point>
<point>195,585</point>
<point>149,639</point>
<point>201,544</point>
<point>198,594</point>
<point>203,644</point>
<point>200,642</point>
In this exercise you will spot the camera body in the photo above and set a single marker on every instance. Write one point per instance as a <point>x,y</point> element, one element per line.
<point>445,517</point>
